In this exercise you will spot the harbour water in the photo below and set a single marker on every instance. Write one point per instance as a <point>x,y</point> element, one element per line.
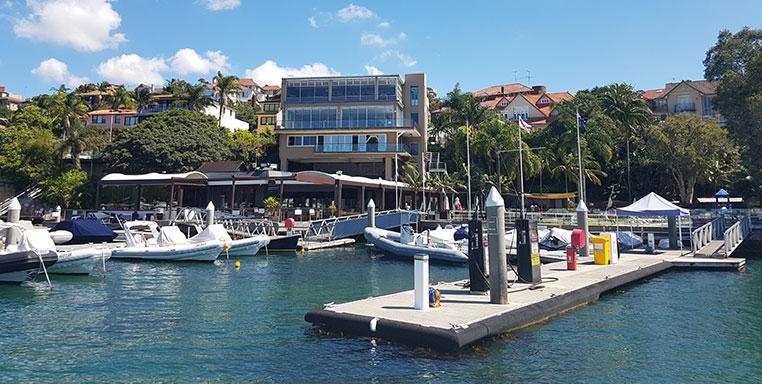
<point>190,322</point>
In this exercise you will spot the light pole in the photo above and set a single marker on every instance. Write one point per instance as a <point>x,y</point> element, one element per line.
<point>581,181</point>
<point>396,173</point>
<point>521,165</point>
<point>468,165</point>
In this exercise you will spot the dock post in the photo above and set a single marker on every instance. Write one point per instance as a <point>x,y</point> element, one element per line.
<point>14,215</point>
<point>421,270</point>
<point>209,214</point>
<point>58,213</point>
<point>582,223</point>
<point>498,263</point>
<point>672,229</point>
<point>371,214</point>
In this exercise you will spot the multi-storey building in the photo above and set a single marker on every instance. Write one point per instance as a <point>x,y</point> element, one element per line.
<point>359,125</point>
<point>516,101</point>
<point>688,96</point>
<point>270,117</point>
<point>9,100</point>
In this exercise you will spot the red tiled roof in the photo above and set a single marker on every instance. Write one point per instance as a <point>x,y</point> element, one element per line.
<point>271,88</point>
<point>100,112</point>
<point>653,93</point>
<point>558,97</point>
<point>502,89</point>
<point>246,82</point>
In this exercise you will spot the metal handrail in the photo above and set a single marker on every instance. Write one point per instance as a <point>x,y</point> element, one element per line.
<point>703,235</point>
<point>735,234</point>
<point>325,227</point>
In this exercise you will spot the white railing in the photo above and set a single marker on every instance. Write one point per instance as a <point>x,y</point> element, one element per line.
<point>704,234</point>
<point>324,229</point>
<point>735,234</point>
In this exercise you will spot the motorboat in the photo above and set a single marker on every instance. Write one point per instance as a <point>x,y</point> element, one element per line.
<point>247,246</point>
<point>31,252</point>
<point>81,261</point>
<point>83,231</point>
<point>408,243</point>
<point>166,243</point>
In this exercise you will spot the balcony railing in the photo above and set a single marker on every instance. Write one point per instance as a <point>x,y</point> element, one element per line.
<point>160,108</point>
<point>685,108</point>
<point>362,148</point>
<point>351,124</point>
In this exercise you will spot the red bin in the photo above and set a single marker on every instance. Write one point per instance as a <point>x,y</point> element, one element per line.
<point>290,223</point>
<point>571,258</point>
<point>578,238</point>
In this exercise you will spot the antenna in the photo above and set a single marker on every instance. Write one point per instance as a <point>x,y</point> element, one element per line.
<point>515,76</point>
<point>529,77</point>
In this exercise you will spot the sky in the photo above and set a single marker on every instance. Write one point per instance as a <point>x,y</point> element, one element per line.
<point>565,45</point>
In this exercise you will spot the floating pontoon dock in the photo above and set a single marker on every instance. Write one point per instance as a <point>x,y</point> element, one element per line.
<point>466,318</point>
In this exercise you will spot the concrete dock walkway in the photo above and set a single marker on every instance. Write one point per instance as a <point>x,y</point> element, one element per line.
<point>465,318</point>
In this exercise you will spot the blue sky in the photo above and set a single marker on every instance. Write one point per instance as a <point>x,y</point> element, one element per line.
<point>565,45</point>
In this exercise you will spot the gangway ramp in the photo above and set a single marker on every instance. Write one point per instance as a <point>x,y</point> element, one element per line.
<point>353,226</point>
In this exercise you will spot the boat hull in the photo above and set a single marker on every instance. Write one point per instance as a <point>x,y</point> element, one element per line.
<point>80,261</point>
<point>190,252</point>
<point>284,243</point>
<point>16,267</point>
<point>247,246</point>
<point>389,246</point>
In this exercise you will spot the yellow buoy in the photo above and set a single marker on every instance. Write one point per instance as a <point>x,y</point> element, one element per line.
<point>237,264</point>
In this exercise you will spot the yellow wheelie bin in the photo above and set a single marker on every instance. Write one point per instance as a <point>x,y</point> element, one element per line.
<point>601,250</point>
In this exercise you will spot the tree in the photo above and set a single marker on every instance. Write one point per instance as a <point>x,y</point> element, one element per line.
<point>65,188</point>
<point>177,86</point>
<point>195,98</point>
<point>247,112</point>
<point>69,110</point>
<point>28,153</point>
<point>629,111</point>
<point>736,61</point>
<point>690,149</point>
<point>143,98</point>
<point>172,141</point>
<point>250,146</point>
<point>121,99</point>
<point>225,86</point>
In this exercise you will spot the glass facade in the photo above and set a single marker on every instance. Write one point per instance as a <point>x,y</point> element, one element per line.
<point>343,90</point>
<point>414,95</point>
<point>370,116</point>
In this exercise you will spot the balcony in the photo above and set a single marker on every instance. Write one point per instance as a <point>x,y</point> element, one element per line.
<point>680,108</point>
<point>159,108</point>
<point>363,148</point>
<point>350,124</point>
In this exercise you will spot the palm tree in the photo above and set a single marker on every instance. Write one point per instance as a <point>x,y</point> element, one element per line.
<point>121,98</point>
<point>69,110</point>
<point>195,98</point>
<point>629,111</point>
<point>143,98</point>
<point>225,86</point>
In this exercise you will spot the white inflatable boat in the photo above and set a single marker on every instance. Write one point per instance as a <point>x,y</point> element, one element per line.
<point>166,243</point>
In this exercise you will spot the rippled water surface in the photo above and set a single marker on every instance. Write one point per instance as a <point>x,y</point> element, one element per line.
<point>188,322</point>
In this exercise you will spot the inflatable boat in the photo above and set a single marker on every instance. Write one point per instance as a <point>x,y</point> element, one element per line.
<point>407,244</point>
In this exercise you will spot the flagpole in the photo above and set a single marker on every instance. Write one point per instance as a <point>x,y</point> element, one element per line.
<point>521,167</point>
<point>468,165</point>
<point>581,180</point>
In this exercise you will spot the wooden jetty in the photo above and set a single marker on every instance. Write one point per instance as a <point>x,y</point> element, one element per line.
<point>466,318</point>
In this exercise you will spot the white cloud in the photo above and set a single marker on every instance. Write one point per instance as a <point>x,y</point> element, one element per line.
<point>312,21</point>
<point>354,12</point>
<point>56,71</point>
<point>403,58</point>
<point>384,24</point>
<point>85,25</point>
<point>187,61</point>
<point>221,5</point>
<point>371,70</point>
<point>133,69</point>
<point>270,73</point>
<point>402,36</point>
<point>376,40</point>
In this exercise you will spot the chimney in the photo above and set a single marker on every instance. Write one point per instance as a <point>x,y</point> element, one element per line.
<point>502,89</point>
<point>539,89</point>
<point>2,88</point>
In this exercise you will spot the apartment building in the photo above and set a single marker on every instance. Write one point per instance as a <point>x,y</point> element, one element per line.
<point>357,125</point>
<point>515,101</point>
<point>10,100</point>
<point>270,117</point>
<point>688,96</point>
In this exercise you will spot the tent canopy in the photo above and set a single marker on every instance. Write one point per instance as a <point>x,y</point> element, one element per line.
<point>722,193</point>
<point>652,205</point>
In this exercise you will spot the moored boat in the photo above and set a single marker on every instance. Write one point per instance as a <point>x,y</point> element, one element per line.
<point>247,246</point>
<point>23,258</point>
<point>409,244</point>
<point>166,243</point>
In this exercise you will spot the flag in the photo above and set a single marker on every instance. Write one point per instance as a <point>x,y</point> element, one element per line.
<point>581,121</point>
<point>524,125</point>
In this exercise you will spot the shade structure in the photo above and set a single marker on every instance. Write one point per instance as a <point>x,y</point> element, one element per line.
<point>722,193</point>
<point>652,205</point>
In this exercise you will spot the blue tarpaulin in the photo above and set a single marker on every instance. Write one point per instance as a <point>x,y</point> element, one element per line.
<point>86,231</point>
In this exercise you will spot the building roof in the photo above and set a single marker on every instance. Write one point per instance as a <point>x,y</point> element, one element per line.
<point>271,87</point>
<point>104,112</point>
<point>705,87</point>
<point>221,166</point>
<point>653,93</point>
<point>150,178</point>
<point>502,89</point>
<point>246,82</point>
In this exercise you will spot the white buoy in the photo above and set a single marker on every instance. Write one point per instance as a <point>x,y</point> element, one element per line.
<point>209,214</point>
<point>14,215</point>
<point>371,214</point>
<point>421,270</point>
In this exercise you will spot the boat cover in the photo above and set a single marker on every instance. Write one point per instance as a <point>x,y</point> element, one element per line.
<point>86,231</point>
<point>628,240</point>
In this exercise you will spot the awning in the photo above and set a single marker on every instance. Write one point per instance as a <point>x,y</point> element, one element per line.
<point>652,205</point>
<point>317,177</point>
<point>152,178</point>
<point>551,196</point>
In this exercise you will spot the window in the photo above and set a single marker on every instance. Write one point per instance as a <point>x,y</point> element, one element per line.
<point>311,118</point>
<point>338,143</point>
<point>544,101</point>
<point>387,89</point>
<point>98,119</point>
<point>131,120</point>
<point>684,104</point>
<point>414,119</point>
<point>520,113</point>
<point>302,141</point>
<point>267,120</point>
<point>414,95</point>
<point>271,107</point>
<point>117,119</point>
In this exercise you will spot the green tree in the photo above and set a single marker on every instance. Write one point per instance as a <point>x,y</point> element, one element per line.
<point>121,99</point>
<point>247,112</point>
<point>690,148</point>
<point>225,86</point>
<point>171,141</point>
<point>251,146</point>
<point>65,189</point>
<point>177,86</point>
<point>28,153</point>
<point>143,98</point>
<point>69,110</point>
<point>736,61</point>
<point>194,98</point>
